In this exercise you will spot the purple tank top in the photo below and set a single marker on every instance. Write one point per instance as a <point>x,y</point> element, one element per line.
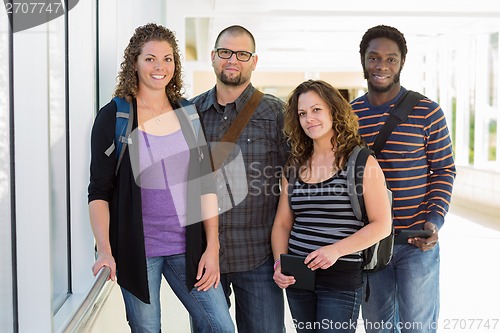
<point>164,164</point>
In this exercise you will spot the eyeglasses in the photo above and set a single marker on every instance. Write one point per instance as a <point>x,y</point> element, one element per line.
<point>227,54</point>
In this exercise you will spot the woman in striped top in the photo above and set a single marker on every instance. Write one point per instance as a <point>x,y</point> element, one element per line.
<point>318,223</point>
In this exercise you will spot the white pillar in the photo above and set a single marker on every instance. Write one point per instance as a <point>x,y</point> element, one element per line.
<point>32,176</point>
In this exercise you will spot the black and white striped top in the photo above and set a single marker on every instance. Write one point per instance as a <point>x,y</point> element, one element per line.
<point>323,215</point>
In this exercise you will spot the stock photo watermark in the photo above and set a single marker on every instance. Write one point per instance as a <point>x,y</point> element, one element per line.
<point>24,15</point>
<point>234,182</point>
<point>451,324</point>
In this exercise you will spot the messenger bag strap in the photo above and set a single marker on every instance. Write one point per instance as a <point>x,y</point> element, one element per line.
<point>402,108</point>
<point>221,151</point>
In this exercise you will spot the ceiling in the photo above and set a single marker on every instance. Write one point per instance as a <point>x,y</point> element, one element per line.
<point>324,35</point>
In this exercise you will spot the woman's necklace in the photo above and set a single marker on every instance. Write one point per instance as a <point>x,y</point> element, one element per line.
<point>157,119</point>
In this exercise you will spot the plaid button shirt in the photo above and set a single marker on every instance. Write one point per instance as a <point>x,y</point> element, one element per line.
<point>245,230</point>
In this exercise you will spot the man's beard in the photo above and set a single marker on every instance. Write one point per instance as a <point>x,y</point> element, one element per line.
<point>232,80</point>
<point>385,89</point>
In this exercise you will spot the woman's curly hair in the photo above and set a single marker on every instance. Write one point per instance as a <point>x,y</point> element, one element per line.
<point>128,80</point>
<point>345,125</point>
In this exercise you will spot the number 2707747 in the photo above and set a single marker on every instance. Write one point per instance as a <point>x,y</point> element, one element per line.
<point>33,7</point>
<point>470,324</point>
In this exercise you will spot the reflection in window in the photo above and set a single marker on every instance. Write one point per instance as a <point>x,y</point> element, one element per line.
<point>58,163</point>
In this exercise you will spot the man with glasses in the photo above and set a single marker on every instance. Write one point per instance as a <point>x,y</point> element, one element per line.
<point>240,55</point>
<point>245,230</point>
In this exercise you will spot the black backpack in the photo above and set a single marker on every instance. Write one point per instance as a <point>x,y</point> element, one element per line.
<point>379,254</point>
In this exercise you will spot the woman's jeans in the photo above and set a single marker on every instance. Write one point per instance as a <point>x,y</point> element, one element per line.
<point>404,296</point>
<point>324,310</point>
<point>208,309</point>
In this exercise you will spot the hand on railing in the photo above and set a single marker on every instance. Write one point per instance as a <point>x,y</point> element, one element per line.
<point>86,310</point>
<point>105,260</point>
<point>103,274</point>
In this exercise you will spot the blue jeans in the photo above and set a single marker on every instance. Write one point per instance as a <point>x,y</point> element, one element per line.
<point>324,310</point>
<point>404,296</point>
<point>208,309</point>
<point>259,301</point>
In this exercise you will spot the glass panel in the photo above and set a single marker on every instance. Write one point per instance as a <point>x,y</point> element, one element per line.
<point>492,140</point>
<point>493,97</point>
<point>6,292</point>
<point>58,163</point>
<point>472,128</point>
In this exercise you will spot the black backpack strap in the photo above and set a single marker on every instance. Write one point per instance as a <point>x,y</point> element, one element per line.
<point>291,177</point>
<point>402,108</point>
<point>355,170</point>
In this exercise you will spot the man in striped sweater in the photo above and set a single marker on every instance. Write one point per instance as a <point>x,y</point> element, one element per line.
<point>418,164</point>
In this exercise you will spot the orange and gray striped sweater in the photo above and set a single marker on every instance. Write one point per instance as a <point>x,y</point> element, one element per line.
<point>417,160</point>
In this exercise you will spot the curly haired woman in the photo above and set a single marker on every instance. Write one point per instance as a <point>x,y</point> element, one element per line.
<point>139,214</point>
<point>318,222</point>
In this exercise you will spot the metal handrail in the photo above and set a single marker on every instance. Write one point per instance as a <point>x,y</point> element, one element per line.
<point>90,304</point>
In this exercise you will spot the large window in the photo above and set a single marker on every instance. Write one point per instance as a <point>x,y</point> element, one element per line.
<point>468,90</point>
<point>6,291</point>
<point>58,162</point>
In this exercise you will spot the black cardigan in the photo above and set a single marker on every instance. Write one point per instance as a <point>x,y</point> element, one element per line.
<point>124,197</point>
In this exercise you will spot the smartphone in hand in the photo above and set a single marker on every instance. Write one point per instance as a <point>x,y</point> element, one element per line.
<point>403,235</point>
